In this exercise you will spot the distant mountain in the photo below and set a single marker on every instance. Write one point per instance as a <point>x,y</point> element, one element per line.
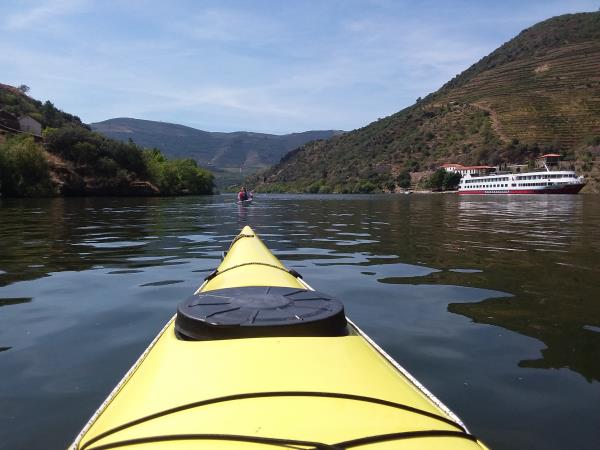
<point>540,91</point>
<point>212,149</point>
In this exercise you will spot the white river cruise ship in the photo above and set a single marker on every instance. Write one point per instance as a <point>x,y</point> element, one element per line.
<point>536,182</point>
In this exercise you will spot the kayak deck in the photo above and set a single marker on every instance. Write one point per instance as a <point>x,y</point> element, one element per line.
<point>259,392</point>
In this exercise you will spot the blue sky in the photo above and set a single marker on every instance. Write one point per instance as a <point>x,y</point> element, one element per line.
<point>266,66</point>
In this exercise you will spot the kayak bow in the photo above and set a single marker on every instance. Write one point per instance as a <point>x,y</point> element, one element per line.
<point>257,359</point>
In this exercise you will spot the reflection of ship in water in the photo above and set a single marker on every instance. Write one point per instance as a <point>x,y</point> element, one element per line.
<point>549,180</point>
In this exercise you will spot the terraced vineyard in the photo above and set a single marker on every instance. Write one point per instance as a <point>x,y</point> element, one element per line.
<point>538,92</point>
<point>552,99</point>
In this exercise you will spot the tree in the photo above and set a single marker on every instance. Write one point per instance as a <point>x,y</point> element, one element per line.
<point>23,88</point>
<point>451,180</point>
<point>403,179</point>
<point>436,180</point>
<point>441,180</point>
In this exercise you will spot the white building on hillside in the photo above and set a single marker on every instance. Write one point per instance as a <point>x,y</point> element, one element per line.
<point>471,170</point>
<point>30,125</point>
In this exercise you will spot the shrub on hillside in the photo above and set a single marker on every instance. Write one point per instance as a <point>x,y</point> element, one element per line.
<point>180,176</point>
<point>403,179</point>
<point>82,146</point>
<point>24,170</point>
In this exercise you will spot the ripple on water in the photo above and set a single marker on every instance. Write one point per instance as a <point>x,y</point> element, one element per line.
<point>14,300</point>
<point>198,237</point>
<point>162,283</point>
<point>124,272</point>
<point>148,258</point>
<point>114,244</point>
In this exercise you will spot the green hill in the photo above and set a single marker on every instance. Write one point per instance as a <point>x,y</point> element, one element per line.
<point>219,150</point>
<point>69,159</point>
<point>539,91</point>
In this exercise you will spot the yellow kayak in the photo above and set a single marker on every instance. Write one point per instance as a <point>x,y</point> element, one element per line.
<point>257,359</point>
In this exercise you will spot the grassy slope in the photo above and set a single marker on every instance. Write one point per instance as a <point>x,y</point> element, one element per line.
<point>539,91</point>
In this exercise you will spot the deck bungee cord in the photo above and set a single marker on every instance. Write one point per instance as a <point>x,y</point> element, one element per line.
<point>272,394</point>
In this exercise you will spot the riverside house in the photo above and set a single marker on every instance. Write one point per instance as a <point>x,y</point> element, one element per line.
<point>471,170</point>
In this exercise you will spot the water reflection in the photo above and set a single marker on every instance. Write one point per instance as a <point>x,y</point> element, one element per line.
<point>553,275</point>
<point>474,295</point>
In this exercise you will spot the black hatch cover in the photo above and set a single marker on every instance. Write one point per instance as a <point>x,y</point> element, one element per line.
<point>257,311</point>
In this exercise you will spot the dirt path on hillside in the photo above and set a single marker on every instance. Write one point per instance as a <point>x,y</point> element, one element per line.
<point>494,118</point>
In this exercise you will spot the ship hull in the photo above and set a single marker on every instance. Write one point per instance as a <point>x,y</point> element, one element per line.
<point>568,189</point>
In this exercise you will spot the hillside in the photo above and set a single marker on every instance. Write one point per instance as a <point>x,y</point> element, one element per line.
<point>218,150</point>
<point>46,152</point>
<point>539,91</point>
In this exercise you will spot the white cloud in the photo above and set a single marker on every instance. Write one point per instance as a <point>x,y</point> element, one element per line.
<point>41,13</point>
<point>229,26</point>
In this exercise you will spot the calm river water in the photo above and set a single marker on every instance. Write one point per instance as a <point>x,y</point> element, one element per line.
<point>492,302</point>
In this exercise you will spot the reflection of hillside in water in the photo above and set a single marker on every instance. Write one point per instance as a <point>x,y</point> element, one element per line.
<point>543,250</point>
<point>556,280</point>
<point>44,236</point>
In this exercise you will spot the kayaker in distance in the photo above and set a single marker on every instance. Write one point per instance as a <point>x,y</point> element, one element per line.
<point>244,195</point>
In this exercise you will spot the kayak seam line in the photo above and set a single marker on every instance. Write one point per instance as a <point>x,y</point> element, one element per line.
<point>112,395</point>
<point>252,395</point>
<point>420,387</point>
<point>437,402</point>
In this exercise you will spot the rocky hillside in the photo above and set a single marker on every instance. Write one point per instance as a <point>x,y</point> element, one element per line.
<point>538,92</point>
<point>218,150</point>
